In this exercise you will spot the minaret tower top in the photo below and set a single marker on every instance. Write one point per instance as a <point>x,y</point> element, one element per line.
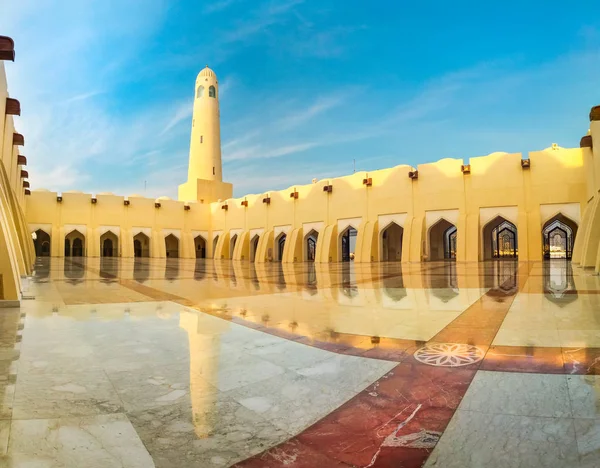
<point>205,144</point>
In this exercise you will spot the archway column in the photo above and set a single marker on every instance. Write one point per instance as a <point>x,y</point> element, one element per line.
<point>187,246</point>
<point>327,243</point>
<point>159,248</point>
<point>293,249</point>
<point>414,233</point>
<point>262,254</point>
<point>92,246</point>
<point>461,237</point>
<point>222,250</point>
<point>590,247</point>
<point>367,243</point>
<point>241,251</point>
<point>58,241</point>
<point>9,269</point>
<point>523,251</point>
<point>534,226</point>
<point>578,246</point>
<point>471,239</point>
<point>126,242</point>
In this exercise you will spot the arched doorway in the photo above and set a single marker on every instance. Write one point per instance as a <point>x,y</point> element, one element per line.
<point>77,250</point>
<point>558,237</point>
<point>42,243</point>
<point>347,244</point>
<point>172,246</point>
<point>109,244</point>
<point>74,244</point>
<point>280,246</point>
<point>141,245</point>
<point>500,239</point>
<point>232,243</point>
<point>215,242</point>
<point>254,247</point>
<point>442,241</point>
<point>200,246</point>
<point>391,243</point>
<point>310,242</point>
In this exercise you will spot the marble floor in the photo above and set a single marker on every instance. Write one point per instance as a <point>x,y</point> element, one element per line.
<point>181,363</point>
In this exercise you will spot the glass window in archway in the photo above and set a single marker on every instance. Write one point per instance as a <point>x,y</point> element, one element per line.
<point>450,243</point>
<point>558,240</point>
<point>504,240</point>
<point>348,244</point>
<point>280,247</point>
<point>311,246</point>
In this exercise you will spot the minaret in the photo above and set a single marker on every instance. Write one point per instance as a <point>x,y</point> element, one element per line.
<point>205,176</point>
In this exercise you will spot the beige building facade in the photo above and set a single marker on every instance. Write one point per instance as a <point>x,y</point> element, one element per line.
<point>541,205</point>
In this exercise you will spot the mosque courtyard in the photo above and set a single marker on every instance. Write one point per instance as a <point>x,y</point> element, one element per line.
<point>115,362</point>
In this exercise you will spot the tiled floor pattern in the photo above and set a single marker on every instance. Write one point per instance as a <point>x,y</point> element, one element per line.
<point>181,363</point>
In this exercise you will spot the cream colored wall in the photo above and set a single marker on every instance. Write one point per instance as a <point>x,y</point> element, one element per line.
<point>496,184</point>
<point>110,213</point>
<point>16,247</point>
<point>587,248</point>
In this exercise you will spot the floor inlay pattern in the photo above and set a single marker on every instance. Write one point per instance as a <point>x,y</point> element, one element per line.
<point>449,354</point>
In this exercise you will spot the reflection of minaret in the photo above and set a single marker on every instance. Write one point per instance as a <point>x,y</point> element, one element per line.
<point>204,345</point>
<point>205,177</point>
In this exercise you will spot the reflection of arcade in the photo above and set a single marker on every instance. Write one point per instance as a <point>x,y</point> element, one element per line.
<point>75,270</point>
<point>172,269</point>
<point>503,277</point>
<point>109,269</point>
<point>348,285</point>
<point>141,271</point>
<point>559,285</point>
<point>442,281</point>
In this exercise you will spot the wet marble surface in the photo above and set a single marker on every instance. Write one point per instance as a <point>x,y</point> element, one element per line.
<point>172,363</point>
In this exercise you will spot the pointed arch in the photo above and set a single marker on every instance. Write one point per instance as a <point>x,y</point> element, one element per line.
<point>42,243</point>
<point>500,239</point>
<point>441,240</point>
<point>200,91</point>
<point>390,240</point>
<point>109,244</point>
<point>172,246</point>
<point>347,243</point>
<point>200,246</point>
<point>310,245</point>
<point>141,245</point>
<point>74,244</point>
<point>558,237</point>
<point>280,246</point>
<point>212,92</point>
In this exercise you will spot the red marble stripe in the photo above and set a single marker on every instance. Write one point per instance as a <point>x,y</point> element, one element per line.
<point>394,422</point>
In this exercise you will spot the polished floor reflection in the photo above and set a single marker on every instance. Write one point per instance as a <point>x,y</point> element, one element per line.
<point>183,363</point>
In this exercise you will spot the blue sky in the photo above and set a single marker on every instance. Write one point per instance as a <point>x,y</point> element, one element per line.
<point>106,87</point>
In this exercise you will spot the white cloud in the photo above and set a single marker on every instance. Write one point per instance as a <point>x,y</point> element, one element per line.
<point>182,112</point>
<point>268,15</point>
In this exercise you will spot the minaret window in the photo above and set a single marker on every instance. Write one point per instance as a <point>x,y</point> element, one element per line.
<point>200,91</point>
<point>213,170</point>
<point>212,92</point>
<point>201,139</point>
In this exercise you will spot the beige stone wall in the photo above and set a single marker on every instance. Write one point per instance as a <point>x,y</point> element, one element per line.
<point>496,184</point>
<point>16,247</point>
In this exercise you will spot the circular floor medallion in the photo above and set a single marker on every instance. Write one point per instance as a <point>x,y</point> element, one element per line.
<point>449,355</point>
